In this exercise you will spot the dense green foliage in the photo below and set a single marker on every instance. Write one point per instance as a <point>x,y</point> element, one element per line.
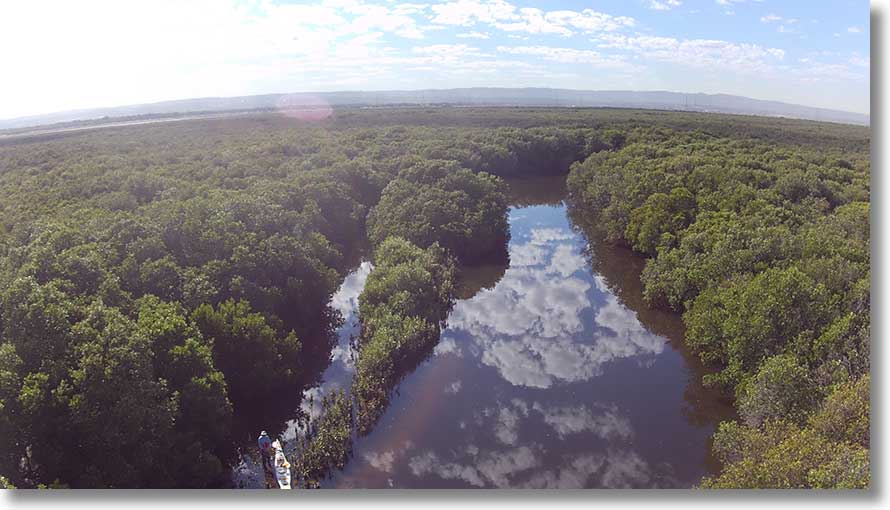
<point>830,451</point>
<point>406,299</point>
<point>437,201</point>
<point>142,396</point>
<point>765,248</point>
<point>160,285</point>
<point>254,357</point>
<point>100,342</point>
<point>781,388</point>
<point>157,281</point>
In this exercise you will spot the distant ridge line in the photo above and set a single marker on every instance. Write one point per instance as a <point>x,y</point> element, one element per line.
<point>477,96</point>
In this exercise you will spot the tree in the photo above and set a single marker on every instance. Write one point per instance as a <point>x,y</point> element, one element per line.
<point>120,413</point>
<point>10,385</point>
<point>409,281</point>
<point>257,361</point>
<point>440,202</point>
<point>781,388</point>
<point>740,324</point>
<point>183,359</point>
<point>844,415</point>
<point>782,456</point>
<point>661,214</point>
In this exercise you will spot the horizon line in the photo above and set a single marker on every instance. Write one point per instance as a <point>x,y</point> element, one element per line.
<point>346,91</point>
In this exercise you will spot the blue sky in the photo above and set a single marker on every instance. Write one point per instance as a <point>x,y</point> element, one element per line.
<point>66,55</point>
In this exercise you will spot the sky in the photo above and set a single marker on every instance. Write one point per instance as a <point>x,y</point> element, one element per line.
<point>62,55</point>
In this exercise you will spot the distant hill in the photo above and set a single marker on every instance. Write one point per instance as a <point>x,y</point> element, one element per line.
<point>662,100</point>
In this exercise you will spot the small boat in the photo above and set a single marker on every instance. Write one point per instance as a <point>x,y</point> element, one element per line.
<point>282,466</point>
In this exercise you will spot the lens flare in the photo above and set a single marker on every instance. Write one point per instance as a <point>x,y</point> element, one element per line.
<point>304,107</point>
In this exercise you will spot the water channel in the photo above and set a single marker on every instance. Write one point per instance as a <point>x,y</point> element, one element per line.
<point>551,373</point>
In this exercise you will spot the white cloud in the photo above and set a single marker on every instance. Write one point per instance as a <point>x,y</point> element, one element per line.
<point>447,346</point>
<point>506,429</point>
<point>564,23</point>
<point>383,461</point>
<point>527,254</point>
<point>491,468</point>
<point>453,388</point>
<point>345,300</point>
<point>815,71</point>
<point>473,35</point>
<point>449,51</point>
<point>387,460</point>
<point>603,421</point>
<point>544,236</point>
<point>568,56</point>
<point>574,473</point>
<point>409,8</point>
<point>533,21</point>
<point>469,12</point>
<point>626,470</point>
<point>507,17</point>
<point>516,460</point>
<point>663,5</point>
<point>566,261</point>
<point>858,61</point>
<point>369,17</point>
<point>136,52</point>
<point>111,53</point>
<point>705,53</point>
<point>785,24</point>
<point>616,468</point>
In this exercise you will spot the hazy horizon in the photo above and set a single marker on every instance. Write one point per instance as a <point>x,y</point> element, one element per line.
<point>428,89</point>
<point>109,54</point>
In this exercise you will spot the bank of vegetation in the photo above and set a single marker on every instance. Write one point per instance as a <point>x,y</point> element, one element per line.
<point>764,248</point>
<point>164,289</point>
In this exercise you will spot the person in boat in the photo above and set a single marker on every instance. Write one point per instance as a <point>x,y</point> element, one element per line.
<point>265,444</point>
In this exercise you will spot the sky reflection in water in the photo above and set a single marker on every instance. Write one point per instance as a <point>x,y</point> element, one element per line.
<point>544,380</point>
<point>247,473</point>
<point>534,327</point>
<point>339,374</point>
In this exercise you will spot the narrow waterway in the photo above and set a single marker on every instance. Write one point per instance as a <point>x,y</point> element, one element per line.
<point>550,373</point>
<point>248,472</point>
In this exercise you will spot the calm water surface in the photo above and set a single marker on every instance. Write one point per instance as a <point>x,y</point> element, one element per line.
<point>551,373</point>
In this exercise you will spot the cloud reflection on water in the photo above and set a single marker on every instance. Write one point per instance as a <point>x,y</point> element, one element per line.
<point>531,327</point>
<point>518,464</point>
<point>548,322</point>
<point>339,372</point>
